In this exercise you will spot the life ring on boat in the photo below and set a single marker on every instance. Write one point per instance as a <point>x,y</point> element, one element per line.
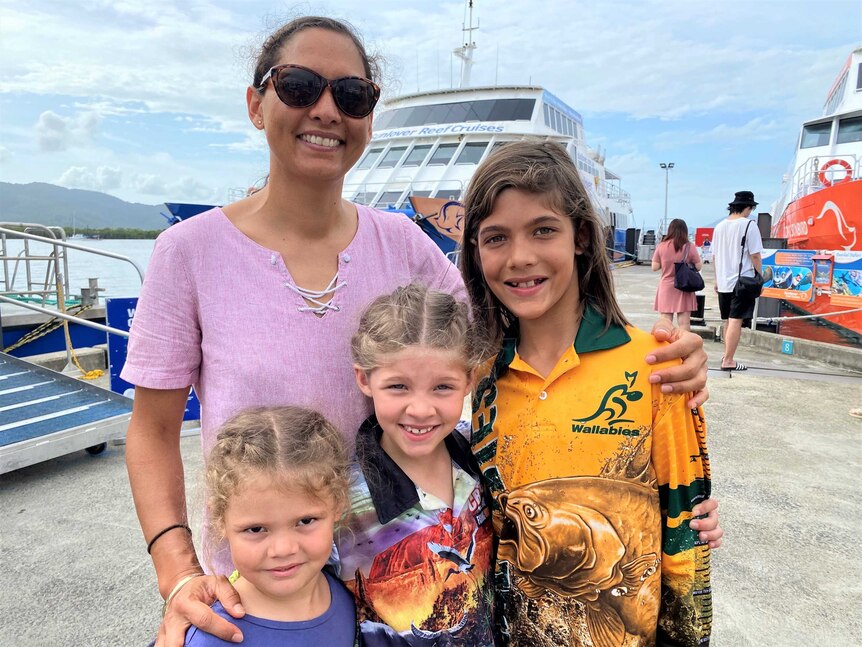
<point>826,181</point>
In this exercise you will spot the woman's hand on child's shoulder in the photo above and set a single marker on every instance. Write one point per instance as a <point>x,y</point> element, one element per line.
<point>192,606</point>
<point>688,377</point>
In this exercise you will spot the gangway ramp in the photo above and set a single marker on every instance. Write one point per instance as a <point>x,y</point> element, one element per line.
<point>45,414</point>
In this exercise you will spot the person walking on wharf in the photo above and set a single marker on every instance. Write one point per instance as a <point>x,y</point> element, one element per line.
<point>735,238</point>
<point>674,248</point>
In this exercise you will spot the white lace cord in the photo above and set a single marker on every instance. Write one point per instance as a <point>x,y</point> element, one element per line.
<point>314,296</point>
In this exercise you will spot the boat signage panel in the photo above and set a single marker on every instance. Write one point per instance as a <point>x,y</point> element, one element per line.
<point>562,106</point>
<point>823,271</point>
<point>119,314</point>
<point>847,279</point>
<point>447,129</point>
<point>788,274</point>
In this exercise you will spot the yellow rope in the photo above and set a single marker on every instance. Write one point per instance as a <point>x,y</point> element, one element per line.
<point>61,303</point>
<point>43,329</point>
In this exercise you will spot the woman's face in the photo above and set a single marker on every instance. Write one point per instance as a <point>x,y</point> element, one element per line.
<point>318,142</point>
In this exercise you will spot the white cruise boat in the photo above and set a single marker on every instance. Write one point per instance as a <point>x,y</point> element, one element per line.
<point>428,144</point>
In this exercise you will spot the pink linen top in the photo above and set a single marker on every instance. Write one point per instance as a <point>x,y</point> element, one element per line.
<point>215,312</point>
<point>667,297</point>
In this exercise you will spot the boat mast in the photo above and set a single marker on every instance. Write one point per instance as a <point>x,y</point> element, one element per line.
<point>465,52</point>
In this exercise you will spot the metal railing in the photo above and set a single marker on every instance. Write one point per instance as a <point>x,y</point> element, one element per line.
<point>56,275</point>
<point>56,262</point>
<point>56,281</point>
<point>806,178</point>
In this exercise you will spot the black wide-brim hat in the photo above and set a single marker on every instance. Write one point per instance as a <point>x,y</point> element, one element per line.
<point>743,199</point>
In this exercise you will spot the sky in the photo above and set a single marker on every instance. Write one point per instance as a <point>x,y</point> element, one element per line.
<point>146,100</point>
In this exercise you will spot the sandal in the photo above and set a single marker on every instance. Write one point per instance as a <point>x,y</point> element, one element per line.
<point>856,413</point>
<point>739,367</point>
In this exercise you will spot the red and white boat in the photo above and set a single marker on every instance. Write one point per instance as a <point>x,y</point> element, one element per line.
<point>821,203</point>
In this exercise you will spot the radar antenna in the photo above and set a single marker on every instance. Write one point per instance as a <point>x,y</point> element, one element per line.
<point>465,52</point>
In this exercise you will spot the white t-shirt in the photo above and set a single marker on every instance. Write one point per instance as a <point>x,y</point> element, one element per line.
<point>727,246</point>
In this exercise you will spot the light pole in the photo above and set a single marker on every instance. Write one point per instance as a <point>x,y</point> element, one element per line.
<point>667,166</point>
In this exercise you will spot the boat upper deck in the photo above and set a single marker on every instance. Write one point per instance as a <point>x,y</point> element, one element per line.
<point>429,144</point>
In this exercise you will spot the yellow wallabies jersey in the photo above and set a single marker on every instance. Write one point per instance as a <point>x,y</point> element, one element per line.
<point>593,473</point>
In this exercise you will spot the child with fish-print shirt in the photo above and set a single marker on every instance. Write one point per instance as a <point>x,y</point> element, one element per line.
<point>593,471</point>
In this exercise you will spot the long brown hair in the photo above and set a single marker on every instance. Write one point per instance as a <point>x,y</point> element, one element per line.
<point>542,168</point>
<point>677,231</point>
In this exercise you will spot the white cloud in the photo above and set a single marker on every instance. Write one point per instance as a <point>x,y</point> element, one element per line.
<point>185,188</point>
<point>103,178</point>
<point>721,75</point>
<point>149,184</point>
<point>56,133</point>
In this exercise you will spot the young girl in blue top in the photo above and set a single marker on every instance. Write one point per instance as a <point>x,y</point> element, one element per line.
<point>276,482</point>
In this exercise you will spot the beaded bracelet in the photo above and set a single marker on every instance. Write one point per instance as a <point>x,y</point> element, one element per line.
<point>162,532</point>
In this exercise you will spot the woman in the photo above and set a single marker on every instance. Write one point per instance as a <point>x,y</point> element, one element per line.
<point>254,304</point>
<point>674,248</point>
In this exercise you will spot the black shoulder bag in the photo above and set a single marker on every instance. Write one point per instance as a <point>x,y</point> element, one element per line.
<point>685,277</point>
<point>747,287</point>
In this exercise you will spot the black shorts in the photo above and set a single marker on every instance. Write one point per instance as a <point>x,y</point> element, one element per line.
<point>732,307</point>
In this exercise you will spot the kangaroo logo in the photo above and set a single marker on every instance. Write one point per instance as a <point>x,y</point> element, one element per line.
<point>614,403</point>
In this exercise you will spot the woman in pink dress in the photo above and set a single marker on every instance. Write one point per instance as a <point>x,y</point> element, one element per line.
<point>673,248</point>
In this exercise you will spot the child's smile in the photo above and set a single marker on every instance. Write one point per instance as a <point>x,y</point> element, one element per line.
<point>418,399</point>
<point>527,253</point>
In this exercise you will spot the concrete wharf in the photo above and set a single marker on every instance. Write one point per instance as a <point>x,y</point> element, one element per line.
<point>786,467</point>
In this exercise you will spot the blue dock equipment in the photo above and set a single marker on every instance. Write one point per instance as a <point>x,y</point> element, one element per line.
<point>45,414</point>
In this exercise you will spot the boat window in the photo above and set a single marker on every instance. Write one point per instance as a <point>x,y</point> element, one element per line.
<point>859,78</point>
<point>481,110</point>
<point>389,198</point>
<point>513,110</point>
<point>364,197</point>
<point>370,157</point>
<point>442,155</point>
<point>419,116</point>
<point>417,155</point>
<point>401,117</point>
<point>460,111</point>
<point>816,135</point>
<point>420,194</point>
<point>448,193</point>
<point>382,121</point>
<point>499,143</point>
<point>836,95</point>
<point>471,153</point>
<point>850,130</point>
<point>390,160</point>
<point>457,112</point>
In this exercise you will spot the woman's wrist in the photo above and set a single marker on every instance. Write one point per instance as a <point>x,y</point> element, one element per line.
<point>174,557</point>
<point>179,580</point>
<point>177,588</point>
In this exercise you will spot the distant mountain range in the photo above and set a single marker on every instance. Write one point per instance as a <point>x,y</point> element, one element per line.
<point>49,204</point>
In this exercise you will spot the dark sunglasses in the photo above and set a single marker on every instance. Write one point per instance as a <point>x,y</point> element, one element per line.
<point>299,87</point>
